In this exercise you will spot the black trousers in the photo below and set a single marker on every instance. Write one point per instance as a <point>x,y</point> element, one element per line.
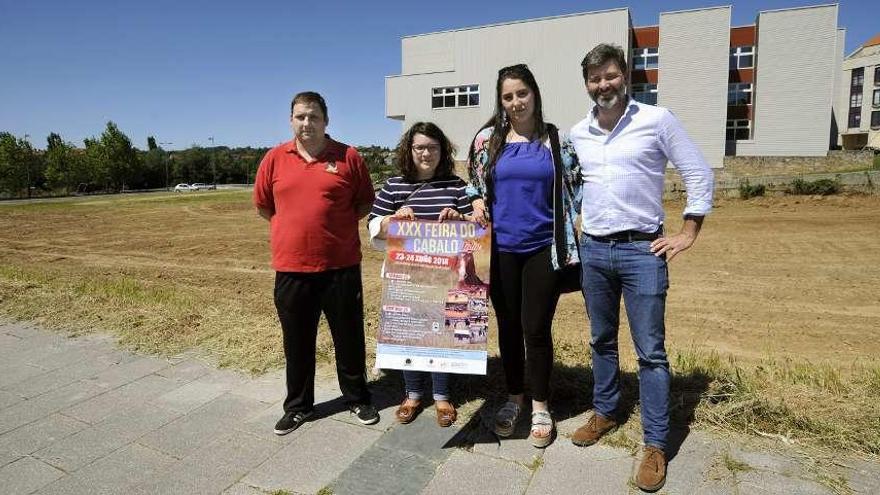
<point>300,298</point>
<point>524,292</point>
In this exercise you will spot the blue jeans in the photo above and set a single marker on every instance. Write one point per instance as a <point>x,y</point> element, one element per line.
<point>612,269</point>
<point>415,384</point>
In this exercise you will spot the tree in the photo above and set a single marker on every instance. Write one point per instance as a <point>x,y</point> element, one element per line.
<point>20,166</point>
<point>122,160</point>
<point>59,160</point>
<point>151,143</point>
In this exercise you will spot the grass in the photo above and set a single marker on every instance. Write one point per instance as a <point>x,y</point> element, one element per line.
<point>770,332</point>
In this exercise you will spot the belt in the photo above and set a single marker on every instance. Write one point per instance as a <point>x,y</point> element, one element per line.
<point>627,236</point>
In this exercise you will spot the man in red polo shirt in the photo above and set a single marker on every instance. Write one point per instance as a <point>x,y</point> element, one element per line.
<point>313,191</point>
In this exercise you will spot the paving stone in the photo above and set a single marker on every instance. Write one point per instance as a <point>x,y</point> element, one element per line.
<point>766,461</point>
<point>242,489</point>
<point>202,426</point>
<point>421,437</point>
<point>9,399</point>
<point>185,371</point>
<point>116,473</point>
<point>467,473</point>
<point>691,468</point>
<point>8,341</point>
<point>214,468</point>
<point>766,482</point>
<point>27,475</point>
<point>569,469</point>
<point>191,395</point>
<point>386,471</point>
<point>22,331</point>
<point>865,477</point>
<point>516,448</point>
<point>31,410</point>
<point>60,377</point>
<point>127,372</point>
<point>37,435</point>
<point>262,424</point>
<point>58,355</point>
<point>268,388</point>
<point>93,443</point>
<point>14,373</point>
<point>120,400</point>
<point>317,457</point>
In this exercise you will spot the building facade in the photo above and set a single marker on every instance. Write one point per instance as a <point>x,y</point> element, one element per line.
<point>763,89</point>
<point>861,97</point>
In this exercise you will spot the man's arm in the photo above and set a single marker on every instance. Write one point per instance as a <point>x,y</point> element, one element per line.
<point>674,244</point>
<point>266,213</point>
<point>363,209</point>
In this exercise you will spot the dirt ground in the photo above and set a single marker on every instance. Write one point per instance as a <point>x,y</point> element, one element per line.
<point>780,278</point>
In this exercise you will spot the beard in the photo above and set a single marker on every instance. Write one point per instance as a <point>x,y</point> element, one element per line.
<point>609,100</point>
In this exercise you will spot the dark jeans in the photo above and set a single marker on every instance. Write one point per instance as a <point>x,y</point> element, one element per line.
<point>416,381</point>
<point>300,298</point>
<point>612,269</point>
<point>524,293</point>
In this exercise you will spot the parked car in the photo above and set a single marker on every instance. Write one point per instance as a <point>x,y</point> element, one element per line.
<point>198,186</point>
<point>184,188</point>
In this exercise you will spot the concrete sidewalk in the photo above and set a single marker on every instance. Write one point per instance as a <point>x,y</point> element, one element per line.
<point>79,416</point>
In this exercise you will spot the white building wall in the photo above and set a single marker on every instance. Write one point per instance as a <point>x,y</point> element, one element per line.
<point>795,74</point>
<point>840,104</point>
<point>693,75</point>
<point>552,47</point>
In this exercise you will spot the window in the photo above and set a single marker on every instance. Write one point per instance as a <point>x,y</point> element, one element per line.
<point>455,96</point>
<point>742,57</point>
<point>877,76</point>
<point>855,117</point>
<point>858,77</point>
<point>875,120</point>
<point>738,129</point>
<point>876,100</point>
<point>645,93</point>
<point>646,58</point>
<point>739,94</point>
<point>855,100</point>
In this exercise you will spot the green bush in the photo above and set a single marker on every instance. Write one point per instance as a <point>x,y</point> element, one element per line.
<point>877,161</point>
<point>821,187</point>
<point>747,190</point>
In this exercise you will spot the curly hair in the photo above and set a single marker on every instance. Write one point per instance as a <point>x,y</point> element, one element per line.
<point>404,158</point>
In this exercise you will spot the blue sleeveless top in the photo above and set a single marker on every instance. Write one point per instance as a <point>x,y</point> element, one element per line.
<point>522,211</point>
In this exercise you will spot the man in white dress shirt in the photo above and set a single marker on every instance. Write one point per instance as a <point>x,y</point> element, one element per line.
<point>623,147</point>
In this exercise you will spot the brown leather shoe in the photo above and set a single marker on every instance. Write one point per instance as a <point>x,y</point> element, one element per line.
<point>590,433</point>
<point>407,413</point>
<point>446,415</point>
<point>652,470</point>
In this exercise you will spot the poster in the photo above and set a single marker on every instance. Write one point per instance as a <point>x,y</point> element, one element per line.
<point>434,314</point>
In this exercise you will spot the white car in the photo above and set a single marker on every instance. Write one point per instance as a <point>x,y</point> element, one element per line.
<point>184,188</point>
<point>198,186</point>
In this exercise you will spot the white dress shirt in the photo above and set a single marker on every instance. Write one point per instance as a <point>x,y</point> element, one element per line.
<point>624,170</point>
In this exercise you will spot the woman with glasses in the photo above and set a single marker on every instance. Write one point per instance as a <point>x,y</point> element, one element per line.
<point>426,189</point>
<point>531,202</point>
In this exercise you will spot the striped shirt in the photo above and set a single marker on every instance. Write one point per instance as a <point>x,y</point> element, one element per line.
<point>426,198</point>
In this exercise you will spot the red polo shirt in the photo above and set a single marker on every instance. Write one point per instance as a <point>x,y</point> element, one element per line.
<point>315,222</point>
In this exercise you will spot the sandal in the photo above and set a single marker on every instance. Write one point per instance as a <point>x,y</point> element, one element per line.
<point>446,415</point>
<point>407,413</point>
<point>506,418</point>
<point>541,419</point>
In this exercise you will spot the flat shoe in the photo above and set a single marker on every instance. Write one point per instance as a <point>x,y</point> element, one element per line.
<point>446,416</point>
<point>407,413</point>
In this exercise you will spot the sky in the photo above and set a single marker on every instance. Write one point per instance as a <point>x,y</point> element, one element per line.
<point>187,71</point>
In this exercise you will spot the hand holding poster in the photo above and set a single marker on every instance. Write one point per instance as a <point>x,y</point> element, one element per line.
<point>435,288</point>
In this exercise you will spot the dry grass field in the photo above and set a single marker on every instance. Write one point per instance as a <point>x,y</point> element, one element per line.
<point>773,316</point>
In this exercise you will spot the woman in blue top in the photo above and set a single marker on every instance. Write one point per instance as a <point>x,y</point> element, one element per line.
<point>513,184</point>
<point>426,189</point>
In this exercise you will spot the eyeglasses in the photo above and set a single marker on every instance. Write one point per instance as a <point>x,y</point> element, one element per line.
<point>430,148</point>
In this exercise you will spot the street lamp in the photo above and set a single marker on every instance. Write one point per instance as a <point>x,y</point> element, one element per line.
<point>213,161</point>
<point>166,163</point>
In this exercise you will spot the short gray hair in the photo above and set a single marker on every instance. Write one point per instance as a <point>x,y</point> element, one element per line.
<point>600,55</point>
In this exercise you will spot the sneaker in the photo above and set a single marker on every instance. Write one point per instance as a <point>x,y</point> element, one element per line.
<point>652,470</point>
<point>291,421</point>
<point>365,413</point>
<point>597,426</point>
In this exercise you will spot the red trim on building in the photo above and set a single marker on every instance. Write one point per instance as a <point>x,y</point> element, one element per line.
<point>742,36</point>
<point>644,76</point>
<point>646,37</point>
<point>742,76</point>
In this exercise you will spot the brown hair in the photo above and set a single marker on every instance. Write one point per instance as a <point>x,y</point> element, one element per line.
<point>404,158</point>
<point>600,55</point>
<point>310,97</point>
